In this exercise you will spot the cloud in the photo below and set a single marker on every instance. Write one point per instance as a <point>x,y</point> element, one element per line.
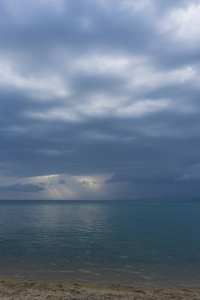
<point>22,188</point>
<point>62,181</point>
<point>87,182</point>
<point>146,173</point>
<point>184,23</point>
<point>99,88</point>
<point>190,175</point>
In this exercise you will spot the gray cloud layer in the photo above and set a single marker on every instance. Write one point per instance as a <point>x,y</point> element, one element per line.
<point>102,87</point>
<point>30,188</point>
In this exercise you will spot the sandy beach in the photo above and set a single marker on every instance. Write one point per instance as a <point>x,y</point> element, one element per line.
<point>29,289</point>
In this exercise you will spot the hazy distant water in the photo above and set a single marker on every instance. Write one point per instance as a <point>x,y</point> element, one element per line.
<point>102,242</point>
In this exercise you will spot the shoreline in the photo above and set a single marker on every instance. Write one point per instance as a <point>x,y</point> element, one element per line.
<point>42,290</point>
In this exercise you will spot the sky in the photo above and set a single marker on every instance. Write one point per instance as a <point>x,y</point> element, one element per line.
<point>99,99</point>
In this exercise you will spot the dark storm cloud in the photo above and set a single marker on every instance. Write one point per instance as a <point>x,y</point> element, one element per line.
<point>100,87</point>
<point>87,182</point>
<point>25,188</point>
<point>62,181</point>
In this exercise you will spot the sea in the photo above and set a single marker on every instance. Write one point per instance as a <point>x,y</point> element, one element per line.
<point>141,244</point>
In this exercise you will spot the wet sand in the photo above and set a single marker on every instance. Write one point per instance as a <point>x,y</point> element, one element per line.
<point>41,290</point>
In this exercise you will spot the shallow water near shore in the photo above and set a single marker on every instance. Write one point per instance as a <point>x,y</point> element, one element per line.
<point>141,244</point>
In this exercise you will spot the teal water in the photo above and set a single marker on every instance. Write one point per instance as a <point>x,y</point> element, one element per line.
<point>140,244</point>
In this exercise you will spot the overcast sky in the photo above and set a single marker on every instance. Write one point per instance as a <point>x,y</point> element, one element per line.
<point>99,99</point>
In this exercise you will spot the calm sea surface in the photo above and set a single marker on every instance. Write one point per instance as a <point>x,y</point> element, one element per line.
<point>140,244</point>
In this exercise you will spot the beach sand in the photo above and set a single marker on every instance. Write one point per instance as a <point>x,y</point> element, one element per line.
<point>29,289</point>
